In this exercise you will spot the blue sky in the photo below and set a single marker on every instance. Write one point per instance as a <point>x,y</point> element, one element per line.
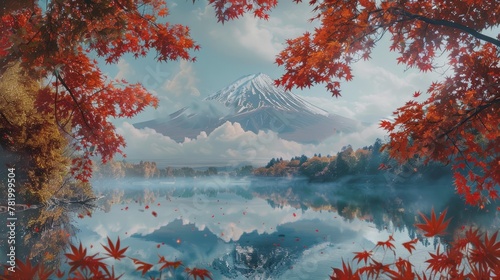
<point>247,46</point>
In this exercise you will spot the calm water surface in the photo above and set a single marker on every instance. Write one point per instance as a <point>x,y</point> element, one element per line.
<point>258,229</point>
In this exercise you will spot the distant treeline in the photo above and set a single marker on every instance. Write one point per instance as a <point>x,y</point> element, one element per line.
<point>369,160</point>
<point>147,169</point>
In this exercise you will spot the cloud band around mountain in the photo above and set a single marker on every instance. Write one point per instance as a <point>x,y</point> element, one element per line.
<point>229,144</point>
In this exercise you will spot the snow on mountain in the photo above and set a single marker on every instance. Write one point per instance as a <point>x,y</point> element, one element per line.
<point>257,104</point>
<point>258,90</point>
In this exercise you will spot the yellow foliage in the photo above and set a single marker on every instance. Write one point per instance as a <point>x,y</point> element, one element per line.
<point>30,141</point>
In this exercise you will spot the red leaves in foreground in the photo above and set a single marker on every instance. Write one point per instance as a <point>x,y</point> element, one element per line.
<point>143,266</point>
<point>387,244</point>
<point>83,266</point>
<point>24,270</point>
<point>344,274</point>
<point>410,245</point>
<point>198,272</point>
<point>115,251</point>
<point>487,254</point>
<point>362,256</point>
<point>433,226</point>
<point>168,264</point>
<point>471,255</point>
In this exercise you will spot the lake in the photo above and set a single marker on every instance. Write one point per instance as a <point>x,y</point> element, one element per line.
<point>248,228</point>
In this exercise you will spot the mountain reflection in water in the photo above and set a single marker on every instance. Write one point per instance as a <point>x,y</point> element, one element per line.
<point>264,229</point>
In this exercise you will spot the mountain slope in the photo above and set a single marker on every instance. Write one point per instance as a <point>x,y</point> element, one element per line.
<point>257,104</point>
<point>256,91</point>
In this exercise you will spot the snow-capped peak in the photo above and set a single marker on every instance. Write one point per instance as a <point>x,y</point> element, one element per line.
<point>257,91</point>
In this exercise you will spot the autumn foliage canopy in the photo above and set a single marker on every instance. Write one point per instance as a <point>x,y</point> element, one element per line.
<point>458,123</point>
<point>54,44</point>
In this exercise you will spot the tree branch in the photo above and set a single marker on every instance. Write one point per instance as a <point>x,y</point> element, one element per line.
<point>451,24</point>
<point>74,100</point>
<point>475,112</point>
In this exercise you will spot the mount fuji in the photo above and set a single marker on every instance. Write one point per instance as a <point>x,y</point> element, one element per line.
<point>256,104</point>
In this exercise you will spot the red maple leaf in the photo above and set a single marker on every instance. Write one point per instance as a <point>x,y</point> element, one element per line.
<point>59,273</point>
<point>345,273</point>
<point>438,262</point>
<point>23,271</point>
<point>387,244</point>
<point>114,250</point>
<point>410,245</point>
<point>79,259</point>
<point>143,266</point>
<point>76,257</point>
<point>362,256</point>
<point>433,226</point>
<point>487,254</point>
<point>375,268</point>
<point>198,272</point>
<point>168,264</point>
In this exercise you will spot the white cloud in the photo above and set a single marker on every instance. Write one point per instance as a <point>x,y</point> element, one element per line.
<point>229,144</point>
<point>176,92</point>
<point>183,83</point>
<point>125,70</point>
<point>375,92</point>
<point>249,37</point>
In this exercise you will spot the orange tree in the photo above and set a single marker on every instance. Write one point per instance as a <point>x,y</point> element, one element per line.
<point>459,121</point>
<point>54,42</point>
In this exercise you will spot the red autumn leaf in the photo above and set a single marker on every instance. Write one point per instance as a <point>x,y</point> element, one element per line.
<point>79,259</point>
<point>168,264</point>
<point>59,273</point>
<point>433,226</point>
<point>375,269</point>
<point>154,213</point>
<point>142,266</point>
<point>198,272</point>
<point>387,244</point>
<point>410,245</point>
<point>362,256</point>
<point>114,251</point>
<point>405,270</point>
<point>345,273</point>
<point>24,270</point>
<point>439,262</point>
<point>487,254</point>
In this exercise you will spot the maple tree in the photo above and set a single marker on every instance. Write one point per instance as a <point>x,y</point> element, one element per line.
<point>458,122</point>
<point>54,45</point>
